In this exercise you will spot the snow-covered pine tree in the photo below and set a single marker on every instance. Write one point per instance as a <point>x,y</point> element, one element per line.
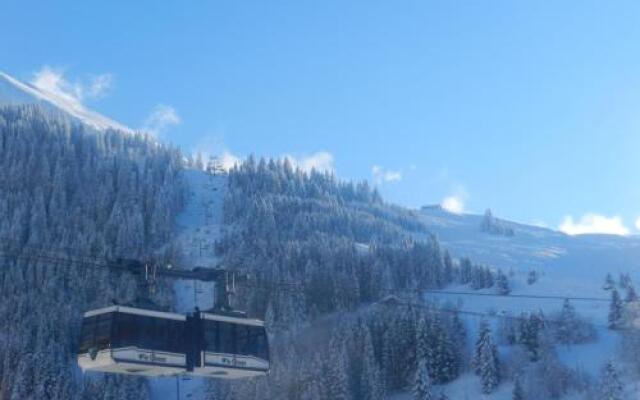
<point>423,339</point>
<point>608,282</point>
<point>488,281</point>
<point>631,294</point>
<point>334,376</point>
<point>477,278</point>
<point>443,356</point>
<point>422,389</point>
<point>529,333</point>
<point>624,280</point>
<point>518,392</point>
<point>459,336</point>
<point>532,277</point>
<point>502,284</point>
<point>567,323</point>
<point>372,386</point>
<point>485,360</point>
<point>448,272</point>
<point>487,221</point>
<point>465,271</point>
<point>615,310</point>
<point>610,384</point>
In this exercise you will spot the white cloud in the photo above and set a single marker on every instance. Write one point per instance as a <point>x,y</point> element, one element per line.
<point>52,80</point>
<point>213,146</point>
<point>381,175</point>
<point>453,204</point>
<point>593,223</point>
<point>99,85</point>
<point>161,118</point>
<point>321,161</point>
<point>637,224</point>
<point>229,160</point>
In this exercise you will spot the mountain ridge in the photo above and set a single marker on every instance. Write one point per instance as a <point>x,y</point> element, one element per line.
<point>13,91</point>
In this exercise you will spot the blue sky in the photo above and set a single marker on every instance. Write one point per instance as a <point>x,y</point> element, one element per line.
<point>527,107</point>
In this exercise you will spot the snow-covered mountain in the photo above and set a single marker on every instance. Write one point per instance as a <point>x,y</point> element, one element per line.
<point>338,279</point>
<point>565,266</point>
<point>575,265</point>
<point>13,91</point>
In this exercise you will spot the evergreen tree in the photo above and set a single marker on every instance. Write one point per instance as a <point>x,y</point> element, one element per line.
<point>465,271</point>
<point>502,284</point>
<point>610,385</point>
<point>615,310</point>
<point>335,377</point>
<point>532,277</point>
<point>518,392</point>
<point>631,295</point>
<point>448,268</point>
<point>485,360</point>
<point>529,335</point>
<point>458,339</point>
<point>570,328</point>
<point>422,383</point>
<point>488,278</point>
<point>625,281</point>
<point>567,324</point>
<point>487,221</point>
<point>608,282</point>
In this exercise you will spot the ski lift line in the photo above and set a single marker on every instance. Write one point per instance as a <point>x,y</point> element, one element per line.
<point>138,267</point>
<point>523,296</point>
<point>10,244</point>
<point>490,315</point>
<point>188,274</point>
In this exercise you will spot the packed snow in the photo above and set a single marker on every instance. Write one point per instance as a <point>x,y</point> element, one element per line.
<point>567,266</point>
<point>199,226</point>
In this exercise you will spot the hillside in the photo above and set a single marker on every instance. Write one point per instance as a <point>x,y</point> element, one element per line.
<point>336,269</point>
<point>565,266</point>
<point>72,191</point>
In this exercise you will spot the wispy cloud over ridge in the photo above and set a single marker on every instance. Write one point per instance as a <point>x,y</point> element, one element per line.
<point>321,161</point>
<point>52,80</point>
<point>381,175</point>
<point>162,117</point>
<point>593,223</point>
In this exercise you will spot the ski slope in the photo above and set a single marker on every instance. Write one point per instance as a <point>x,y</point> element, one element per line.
<point>199,226</point>
<point>568,266</point>
<point>571,266</point>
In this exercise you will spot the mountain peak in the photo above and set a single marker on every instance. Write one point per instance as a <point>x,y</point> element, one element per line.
<point>13,91</point>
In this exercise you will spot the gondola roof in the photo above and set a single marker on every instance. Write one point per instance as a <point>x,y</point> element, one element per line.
<point>135,311</point>
<point>230,319</point>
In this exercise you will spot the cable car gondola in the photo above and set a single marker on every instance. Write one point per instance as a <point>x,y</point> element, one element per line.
<point>138,340</point>
<point>133,341</point>
<point>143,342</point>
<point>229,346</point>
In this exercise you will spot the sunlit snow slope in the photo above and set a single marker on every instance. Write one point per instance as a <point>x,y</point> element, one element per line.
<point>14,92</point>
<point>199,225</point>
<point>571,266</point>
